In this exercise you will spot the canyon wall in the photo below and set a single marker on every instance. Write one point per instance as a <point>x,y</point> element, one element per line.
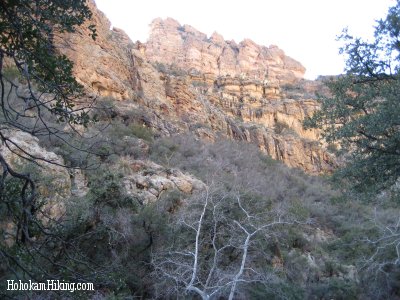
<point>189,49</point>
<point>180,80</point>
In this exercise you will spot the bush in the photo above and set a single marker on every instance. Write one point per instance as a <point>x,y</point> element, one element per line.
<point>333,148</point>
<point>283,128</point>
<point>11,73</point>
<point>334,288</point>
<point>276,291</point>
<point>170,69</point>
<point>141,131</point>
<point>106,189</point>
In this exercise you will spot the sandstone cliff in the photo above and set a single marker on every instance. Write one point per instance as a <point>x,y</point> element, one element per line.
<point>181,80</point>
<point>189,49</point>
<point>103,66</point>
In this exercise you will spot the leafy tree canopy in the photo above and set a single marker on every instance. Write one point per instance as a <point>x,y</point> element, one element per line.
<point>27,31</point>
<point>362,114</point>
<point>36,81</point>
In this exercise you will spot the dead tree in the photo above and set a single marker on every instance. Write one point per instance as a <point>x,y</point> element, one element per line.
<point>215,249</point>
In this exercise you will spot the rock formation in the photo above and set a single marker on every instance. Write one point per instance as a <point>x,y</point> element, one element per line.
<point>148,181</point>
<point>190,49</point>
<point>102,65</point>
<point>47,163</point>
<point>181,80</point>
<point>55,184</point>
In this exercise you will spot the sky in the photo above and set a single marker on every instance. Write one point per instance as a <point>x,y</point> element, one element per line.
<point>305,29</point>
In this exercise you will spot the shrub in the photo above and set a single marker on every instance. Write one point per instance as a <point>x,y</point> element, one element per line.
<point>280,127</point>
<point>171,69</point>
<point>105,109</point>
<point>283,128</point>
<point>333,148</point>
<point>141,131</point>
<point>12,73</point>
<point>197,83</point>
<point>277,289</point>
<point>334,288</point>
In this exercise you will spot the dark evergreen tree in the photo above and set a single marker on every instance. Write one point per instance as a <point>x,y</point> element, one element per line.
<point>362,114</point>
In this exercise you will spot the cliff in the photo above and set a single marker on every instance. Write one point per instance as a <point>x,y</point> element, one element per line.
<point>181,80</point>
<point>189,49</point>
<point>104,65</point>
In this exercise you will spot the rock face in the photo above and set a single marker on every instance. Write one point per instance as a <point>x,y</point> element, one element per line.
<point>53,188</point>
<point>181,80</point>
<point>149,181</point>
<point>190,49</point>
<point>47,163</point>
<point>103,66</point>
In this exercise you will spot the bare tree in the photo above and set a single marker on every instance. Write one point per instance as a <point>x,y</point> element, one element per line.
<point>221,243</point>
<point>381,263</point>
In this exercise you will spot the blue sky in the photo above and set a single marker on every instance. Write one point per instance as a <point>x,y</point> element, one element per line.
<point>305,29</point>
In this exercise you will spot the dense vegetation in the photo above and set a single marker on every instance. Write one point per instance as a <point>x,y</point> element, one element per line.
<point>363,114</point>
<point>309,241</point>
<point>252,229</point>
<point>43,84</point>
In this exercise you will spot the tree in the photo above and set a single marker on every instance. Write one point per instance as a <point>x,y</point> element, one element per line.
<point>221,245</point>
<point>36,83</point>
<point>362,114</point>
<point>38,95</point>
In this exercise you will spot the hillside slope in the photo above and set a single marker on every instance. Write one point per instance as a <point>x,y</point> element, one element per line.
<point>180,81</point>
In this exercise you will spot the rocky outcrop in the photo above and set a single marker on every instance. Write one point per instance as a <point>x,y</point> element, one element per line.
<point>189,49</point>
<point>181,80</point>
<point>147,181</point>
<point>23,147</point>
<point>104,65</point>
<point>53,187</point>
<point>242,110</point>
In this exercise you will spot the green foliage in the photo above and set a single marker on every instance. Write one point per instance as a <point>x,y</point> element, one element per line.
<point>299,209</point>
<point>142,132</point>
<point>350,247</point>
<point>283,128</point>
<point>172,200</point>
<point>37,91</point>
<point>105,109</point>
<point>106,189</point>
<point>339,289</point>
<point>110,238</point>
<point>120,138</point>
<point>105,237</point>
<point>363,112</point>
<point>11,72</point>
<point>121,230</point>
<point>26,37</point>
<point>119,129</point>
<point>280,127</point>
<point>266,188</point>
<point>275,291</point>
<point>333,148</point>
<point>10,196</point>
<point>46,94</point>
<point>197,83</point>
<point>169,69</point>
